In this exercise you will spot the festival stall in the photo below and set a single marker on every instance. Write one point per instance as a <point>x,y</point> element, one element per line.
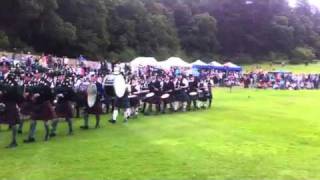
<point>198,64</point>
<point>232,67</point>
<point>142,62</point>
<point>217,66</point>
<point>174,62</point>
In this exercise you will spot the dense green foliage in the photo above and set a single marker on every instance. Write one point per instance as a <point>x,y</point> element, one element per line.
<point>248,134</point>
<point>122,29</point>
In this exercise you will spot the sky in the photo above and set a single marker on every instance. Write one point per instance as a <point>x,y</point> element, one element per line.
<point>314,2</point>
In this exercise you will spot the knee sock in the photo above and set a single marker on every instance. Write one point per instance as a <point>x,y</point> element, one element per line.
<point>115,114</point>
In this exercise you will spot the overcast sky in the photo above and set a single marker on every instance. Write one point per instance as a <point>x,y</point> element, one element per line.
<point>314,2</point>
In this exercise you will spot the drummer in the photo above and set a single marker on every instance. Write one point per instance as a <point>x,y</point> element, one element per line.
<point>155,94</point>
<point>193,94</point>
<point>96,109</point>
<point>168,96</point>
<point>135,89</point>
<point>121,103</point>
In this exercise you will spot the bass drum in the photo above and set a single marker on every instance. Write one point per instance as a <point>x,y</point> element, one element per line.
<point>114,85</point>
<point>92,93</point>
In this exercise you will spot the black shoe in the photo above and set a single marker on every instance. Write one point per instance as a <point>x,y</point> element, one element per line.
<point>53,135</point>
<point>84,127</point>
<point>12,145</point>
<point>29,140</point>
<point>112,121</point>
<point>19,131</point>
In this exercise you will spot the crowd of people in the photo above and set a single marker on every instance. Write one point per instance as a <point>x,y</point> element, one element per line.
<point>51,90</point>
<point>56,91</point>
<point>281,80</point>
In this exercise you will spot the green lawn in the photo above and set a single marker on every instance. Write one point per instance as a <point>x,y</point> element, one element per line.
<point>311,68</point>
<point>248,134</point>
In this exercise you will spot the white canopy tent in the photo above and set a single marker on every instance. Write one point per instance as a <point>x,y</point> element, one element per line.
<point>216,64</point>
<point>232,67</point>
<point>143,61</point>
<point>174,62</point>
<point>199,63</point>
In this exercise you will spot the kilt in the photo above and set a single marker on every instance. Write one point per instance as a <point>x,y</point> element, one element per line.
<point>10,115</point>
<point>81,99</point>
<point>123,102</point>
<point>26,108</point>
<point>181,96</point>
<point>156,99</point>
<point>64,110</point>
<point>204,96</point>
<point>43,111</point>
<point>96,109</point>
<point>134,102</point>
<point>192,98</point>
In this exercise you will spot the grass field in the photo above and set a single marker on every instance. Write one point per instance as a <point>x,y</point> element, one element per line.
<point>311,68</point>
<point>248,134</point>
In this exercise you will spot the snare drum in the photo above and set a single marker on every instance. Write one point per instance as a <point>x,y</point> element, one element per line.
<point>150,95</point>
<point>193,94</point>
<point>165,96</point>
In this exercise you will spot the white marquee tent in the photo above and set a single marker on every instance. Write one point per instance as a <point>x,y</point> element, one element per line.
<point>216,64</point>
<point>199,63</point>
<point>143,61</point>
<point>174,62</point>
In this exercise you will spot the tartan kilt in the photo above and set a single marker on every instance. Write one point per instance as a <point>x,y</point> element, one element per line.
<point>43,111</point>
<point>123,102</point>
<point>204,96</point>
<point>64,110</point>
<point>26,108</point>
<point>192,98</point>
<point>156,99</point>
<point>182,96</point>
<point>11,114</point>
<point>96,109</point>
<point>81,99</point>
<point>134,102</point>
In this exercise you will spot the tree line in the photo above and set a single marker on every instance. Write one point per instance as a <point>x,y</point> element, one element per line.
<point>245,31</point>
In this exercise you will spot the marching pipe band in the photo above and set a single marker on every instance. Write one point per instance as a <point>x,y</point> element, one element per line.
<point>51,97</point>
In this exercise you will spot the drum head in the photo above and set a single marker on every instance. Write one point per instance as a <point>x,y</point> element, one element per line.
<point>132,96</point>
<point>92,92</point>
<point>119,86</point>
<point>149,95</point>
<point>193,93</point>
<point>165,96</point>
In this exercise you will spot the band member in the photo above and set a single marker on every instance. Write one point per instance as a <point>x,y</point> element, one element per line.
<point>209,91</point>
<point>42,110</point>
<point>9,97</point>
<point>155,89</point>
<point>26,105</point>
<point>64,96</point>
<point>167,89</point>
<point>121,103</point>
<point>96,109</point>
<point>182,98</point>
<point>193,94</point>
<point>80,86</point>
<point>134,97</point>
<point>204,94</point>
